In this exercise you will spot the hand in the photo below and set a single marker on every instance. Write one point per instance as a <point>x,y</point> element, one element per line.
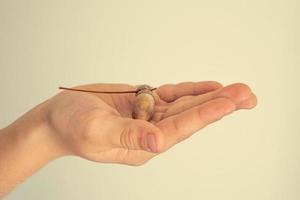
<point>99,127</point>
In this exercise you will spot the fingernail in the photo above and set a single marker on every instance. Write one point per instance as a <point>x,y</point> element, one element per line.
<point>150,143</point>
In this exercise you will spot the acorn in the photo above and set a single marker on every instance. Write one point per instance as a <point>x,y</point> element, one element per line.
<point>143,105</point>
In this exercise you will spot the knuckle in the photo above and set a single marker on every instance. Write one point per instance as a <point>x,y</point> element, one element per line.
<point>224,105</point>
<point>127,139</point>
<point>124,137</point>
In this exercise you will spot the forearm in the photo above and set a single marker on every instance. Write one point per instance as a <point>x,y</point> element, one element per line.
<point>25,146</point>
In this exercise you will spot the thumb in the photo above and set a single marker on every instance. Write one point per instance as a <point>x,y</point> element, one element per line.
<point>135,134</point>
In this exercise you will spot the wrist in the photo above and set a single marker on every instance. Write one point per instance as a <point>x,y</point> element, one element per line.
<point>26,146</point>
<point>32,134</point>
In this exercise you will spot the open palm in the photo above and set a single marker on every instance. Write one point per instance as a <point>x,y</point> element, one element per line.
<point>100,127</point>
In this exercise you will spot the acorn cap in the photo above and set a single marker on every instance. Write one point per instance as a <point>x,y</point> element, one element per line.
<point>144,89</point>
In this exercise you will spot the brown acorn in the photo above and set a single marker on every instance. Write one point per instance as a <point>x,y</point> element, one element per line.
<point>143,105</point>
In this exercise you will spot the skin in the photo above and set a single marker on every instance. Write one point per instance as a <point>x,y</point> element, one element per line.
<point>99,127</point>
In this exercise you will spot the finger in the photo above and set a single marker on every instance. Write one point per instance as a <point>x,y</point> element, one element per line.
<point>183,125</point>
<point>236,92</point>
<point>136,134</point>
<point>248,103</point>
<point>171,92</point>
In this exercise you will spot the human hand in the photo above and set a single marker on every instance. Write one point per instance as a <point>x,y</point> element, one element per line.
<point>99,127</point>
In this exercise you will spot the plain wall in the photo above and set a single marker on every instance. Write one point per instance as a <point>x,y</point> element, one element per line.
<point>249,155</point>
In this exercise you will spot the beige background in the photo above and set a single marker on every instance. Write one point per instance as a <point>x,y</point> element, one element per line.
<point>249,155</point>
